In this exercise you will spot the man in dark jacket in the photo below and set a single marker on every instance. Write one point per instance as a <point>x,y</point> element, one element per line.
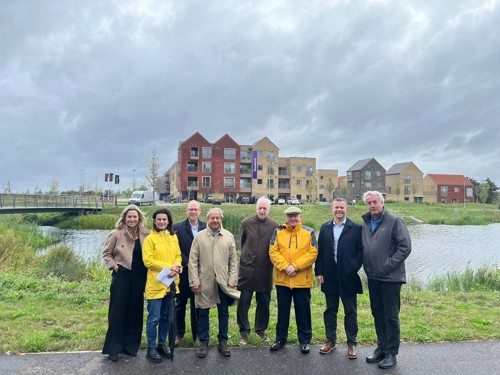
<point>386,245</point>
<point>186,230</point>
<point>340,255</point>
<point>255,270</point>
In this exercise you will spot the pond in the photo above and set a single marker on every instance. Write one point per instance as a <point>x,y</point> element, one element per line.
<point>436,249</point>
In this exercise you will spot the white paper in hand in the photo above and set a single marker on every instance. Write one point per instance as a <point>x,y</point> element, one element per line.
<point>163,277</point>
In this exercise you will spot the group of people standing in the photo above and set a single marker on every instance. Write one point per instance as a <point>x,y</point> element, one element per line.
<point>287,257</point>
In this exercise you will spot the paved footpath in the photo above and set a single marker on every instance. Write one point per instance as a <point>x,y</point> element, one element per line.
<point>461,358</point>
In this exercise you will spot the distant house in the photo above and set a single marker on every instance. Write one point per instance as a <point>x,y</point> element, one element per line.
<point>365,175</point>
<point>448,188</point>
<point>404,183</point>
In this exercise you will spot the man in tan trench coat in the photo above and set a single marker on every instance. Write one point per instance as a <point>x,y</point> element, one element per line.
<point>213,275</point>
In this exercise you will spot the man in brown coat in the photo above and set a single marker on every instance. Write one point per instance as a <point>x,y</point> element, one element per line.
<point>255,270</point>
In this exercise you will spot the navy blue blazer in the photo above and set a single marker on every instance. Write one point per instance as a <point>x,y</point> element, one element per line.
<point>342,277</point>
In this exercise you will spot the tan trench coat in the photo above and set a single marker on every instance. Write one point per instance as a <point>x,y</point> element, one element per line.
<point>213,263</point>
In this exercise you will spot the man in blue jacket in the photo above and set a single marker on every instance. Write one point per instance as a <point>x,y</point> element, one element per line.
<point>340,255</point>
<point>186,230</point>
<point>386,245</point>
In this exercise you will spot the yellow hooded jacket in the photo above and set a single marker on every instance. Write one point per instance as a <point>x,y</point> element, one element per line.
<point>298,247</point>
<point>160,250</point>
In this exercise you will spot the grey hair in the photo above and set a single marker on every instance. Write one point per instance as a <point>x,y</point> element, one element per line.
<point>215,209</point>
<point>378,194</point>
<point>266,199</point>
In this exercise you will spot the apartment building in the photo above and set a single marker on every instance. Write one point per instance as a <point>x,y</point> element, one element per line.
<point>226,170</point>
<point>404,183</point>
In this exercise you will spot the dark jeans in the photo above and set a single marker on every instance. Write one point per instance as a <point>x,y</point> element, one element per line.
<point>157,321</point>
<point>350,317</point>
<point>385,301</point>
<point>223,315</point>
<point>302,306</point>
<point>261,312</point>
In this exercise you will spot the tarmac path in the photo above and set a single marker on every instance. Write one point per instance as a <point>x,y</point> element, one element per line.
<point>460,358</point>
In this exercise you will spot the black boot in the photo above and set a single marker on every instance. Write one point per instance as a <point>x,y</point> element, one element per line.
<point>153,355</point>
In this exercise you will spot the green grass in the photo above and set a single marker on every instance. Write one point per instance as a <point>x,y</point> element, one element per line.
<point>51,313</point>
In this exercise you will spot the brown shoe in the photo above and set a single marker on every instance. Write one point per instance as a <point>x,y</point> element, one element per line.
<point>352,351</point>
<point>202,350</point>
<point>223,349</point>
<point>178,341</point>
<point>243,338</point>
<point>264,337</point>
<point>327,348</point>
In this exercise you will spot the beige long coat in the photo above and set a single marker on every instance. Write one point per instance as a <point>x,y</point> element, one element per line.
<point>213,263</point>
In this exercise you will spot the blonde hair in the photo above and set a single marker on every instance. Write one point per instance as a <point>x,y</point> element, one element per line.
<point>120,224</point>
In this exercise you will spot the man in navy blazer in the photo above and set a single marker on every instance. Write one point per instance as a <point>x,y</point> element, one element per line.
<point>340,256</point>
<point>186,230</point>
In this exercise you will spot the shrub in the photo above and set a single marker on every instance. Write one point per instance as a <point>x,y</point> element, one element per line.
<point>63,262</point>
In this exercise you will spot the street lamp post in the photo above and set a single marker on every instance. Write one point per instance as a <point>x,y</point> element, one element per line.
<point>82,174</point>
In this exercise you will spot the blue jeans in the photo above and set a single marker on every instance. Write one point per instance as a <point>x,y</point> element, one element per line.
<point>157,320</point>
<point>223,314</point>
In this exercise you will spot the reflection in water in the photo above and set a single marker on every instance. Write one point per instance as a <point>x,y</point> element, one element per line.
<point>436,249</point>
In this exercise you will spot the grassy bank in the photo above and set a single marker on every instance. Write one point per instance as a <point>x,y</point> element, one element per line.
<point>52,314</point>
<point>313,215</point>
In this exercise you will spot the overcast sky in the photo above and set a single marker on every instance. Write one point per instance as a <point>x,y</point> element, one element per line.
<point>89,87</point>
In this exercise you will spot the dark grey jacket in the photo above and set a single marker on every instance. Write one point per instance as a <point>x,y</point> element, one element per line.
<point>385,250</point>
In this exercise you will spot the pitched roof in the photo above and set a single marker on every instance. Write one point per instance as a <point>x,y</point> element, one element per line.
<point>359,164</point>
<point>450,179</point>
<point>397,168</point>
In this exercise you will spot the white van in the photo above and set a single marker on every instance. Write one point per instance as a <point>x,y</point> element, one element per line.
<point>141,198</point>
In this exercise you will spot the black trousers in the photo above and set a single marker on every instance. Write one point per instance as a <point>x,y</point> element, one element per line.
<point>302,306</point>
<point>126,312</point>
<point>385,301</point>
<point>350,317</point>
<point>261,312</point>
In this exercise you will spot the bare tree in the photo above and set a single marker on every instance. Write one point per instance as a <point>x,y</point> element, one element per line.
<point>153,176</point>
<point>54,186</point>
<point>7,187</point>
<point>330,187</point>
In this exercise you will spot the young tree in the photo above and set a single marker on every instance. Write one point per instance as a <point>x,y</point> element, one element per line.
<point>330,187</point>
<point>53,186</point>
<point>153,176</point>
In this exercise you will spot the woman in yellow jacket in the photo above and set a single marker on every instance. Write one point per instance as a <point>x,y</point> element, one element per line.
<point>293,251</point>
<point>160,250</point>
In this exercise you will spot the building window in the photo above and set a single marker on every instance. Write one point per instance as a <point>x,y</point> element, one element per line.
<point>229,168</point>
<point>379,185</point>
<point>259,181</point>
<point>194,152</point>
<point>270,156</point>
<point>444,190</point>
<point>270,183</point>
<point>192,182</point>
<point>407,179</point>
<point>283,171</point>
<point>308,183</point>
<point>299,182</point>
<point>368,185</point>
<point>309,170</point>
<point>349,176</point>
<point>245,183</point>
<point>260,153</point>
<point>260,167</point>
<point>192,166</point>
<point>368,175</point>
<point>299,169</point>
<point>229,153</point>
<point>245,169</point>
<point>407,189</point>
<point>244,155</point>
<point>377,173</point>
<point>206,181</point>
<point>270,170</point>
<point>207,152</point>
<point>457,190</point>
<point>229,182</point>
<point>207,167</point>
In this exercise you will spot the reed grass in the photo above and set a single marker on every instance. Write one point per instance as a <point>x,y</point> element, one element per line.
<point>485,278</point>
